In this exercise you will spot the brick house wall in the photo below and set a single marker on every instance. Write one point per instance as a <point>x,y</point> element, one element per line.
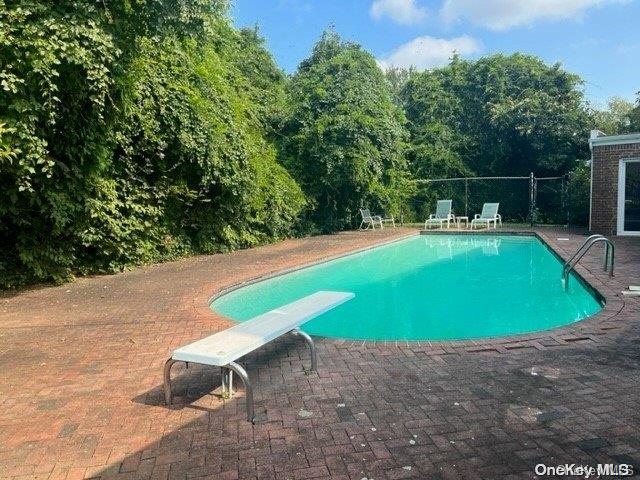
<point>604,184</point>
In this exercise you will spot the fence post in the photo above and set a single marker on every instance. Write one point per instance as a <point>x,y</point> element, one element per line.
<point>532,198</point>
<point>564,197</point>
<point>466,197</point>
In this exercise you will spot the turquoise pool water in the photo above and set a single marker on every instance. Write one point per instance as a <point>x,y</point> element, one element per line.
<point>430,287</point>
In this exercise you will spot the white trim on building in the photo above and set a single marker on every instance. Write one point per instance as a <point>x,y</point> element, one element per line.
<point>599,139</point>
<point>622,168</point>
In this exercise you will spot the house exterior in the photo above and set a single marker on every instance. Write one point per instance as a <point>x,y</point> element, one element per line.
<point>615,184</point>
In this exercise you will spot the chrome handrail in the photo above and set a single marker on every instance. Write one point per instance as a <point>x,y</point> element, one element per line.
<point>597,235</point>
<point>609,257</point>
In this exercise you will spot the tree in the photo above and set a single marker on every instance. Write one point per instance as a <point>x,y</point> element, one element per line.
<point>398,78</point>
<point>133,132</point>
<point>521,115</point>
<point>500,115</point>
<point>578,191</point>
<point>616,119</point>
<point>634,117</point>
<point>436,140</point>
<point>497,116</point>
<point>136,131</point>
<point>343,139</point>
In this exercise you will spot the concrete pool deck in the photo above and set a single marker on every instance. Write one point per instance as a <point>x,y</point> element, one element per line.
<point>81,397</point>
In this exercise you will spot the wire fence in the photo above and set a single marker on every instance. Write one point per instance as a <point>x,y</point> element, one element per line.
<point>530,199</point>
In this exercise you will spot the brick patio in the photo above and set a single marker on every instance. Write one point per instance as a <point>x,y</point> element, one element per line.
<point>80,390</point>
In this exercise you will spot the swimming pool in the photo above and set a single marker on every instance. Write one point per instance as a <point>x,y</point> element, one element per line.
<point>430,287</point>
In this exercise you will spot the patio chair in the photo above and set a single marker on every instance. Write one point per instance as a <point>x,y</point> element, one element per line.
<point>370,221</point>
<point>489,214</point>
<point>443,214</point>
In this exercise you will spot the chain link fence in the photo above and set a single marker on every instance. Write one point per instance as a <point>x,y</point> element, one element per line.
<point>530,199</point>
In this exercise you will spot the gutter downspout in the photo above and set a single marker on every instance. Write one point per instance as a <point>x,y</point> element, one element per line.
<point>590,185</point>
<point>593,134</point>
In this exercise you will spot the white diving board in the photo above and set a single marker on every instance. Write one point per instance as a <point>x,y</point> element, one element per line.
<point>245,337</point>
<point>222,349</point>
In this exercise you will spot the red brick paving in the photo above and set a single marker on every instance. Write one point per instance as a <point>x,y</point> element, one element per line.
<point>80,390</point>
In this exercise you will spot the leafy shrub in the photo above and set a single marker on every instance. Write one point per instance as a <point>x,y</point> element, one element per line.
<point>132,133</point>
<point>344,137</point>
<point>579,192</point>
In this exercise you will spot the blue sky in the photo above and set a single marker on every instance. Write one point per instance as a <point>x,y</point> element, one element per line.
<point>598,39</point>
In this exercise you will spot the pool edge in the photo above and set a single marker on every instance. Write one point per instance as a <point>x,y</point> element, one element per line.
<point>599,296</point>
<point>302,266</point>
<point>581,330</point>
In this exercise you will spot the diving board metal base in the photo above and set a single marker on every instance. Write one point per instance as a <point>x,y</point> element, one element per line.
<point>227,372</point>
<point>225,348</point>
<point>226,380</point>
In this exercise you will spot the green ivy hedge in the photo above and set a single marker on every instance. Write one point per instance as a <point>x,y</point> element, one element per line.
<point>132,133</point>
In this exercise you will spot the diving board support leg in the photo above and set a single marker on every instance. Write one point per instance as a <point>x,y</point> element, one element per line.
<point>167,380</point>
<point>223,376</point>
<point>227,382</point>
<point>248,390</point>
<point>312,347</point>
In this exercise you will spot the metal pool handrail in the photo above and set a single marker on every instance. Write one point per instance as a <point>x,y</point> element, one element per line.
<point>609,257</point>
<point>580,249</point>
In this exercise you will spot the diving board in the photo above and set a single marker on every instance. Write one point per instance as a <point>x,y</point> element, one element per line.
<point>222,349</point>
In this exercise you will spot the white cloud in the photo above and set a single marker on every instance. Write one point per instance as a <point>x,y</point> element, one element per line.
<point>505,14</point>
<point>429,52</point>
<point>405,12</point>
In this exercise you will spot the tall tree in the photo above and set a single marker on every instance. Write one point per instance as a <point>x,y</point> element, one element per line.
<point>500,115</point>
<point>344,137</point>
<point>520,114</point>
<point>134,131</point>
<point>634,117</point>
<point>615,119</point>
<point>398,78</point>
<point>433,116</point>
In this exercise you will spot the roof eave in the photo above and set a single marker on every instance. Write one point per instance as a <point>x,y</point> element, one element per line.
<point>614,140</point>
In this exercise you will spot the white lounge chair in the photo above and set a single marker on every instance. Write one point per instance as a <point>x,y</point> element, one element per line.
<point>390,220</point>
<point>370,221</point>
<point>443,214</point>
<point>222,349</point>
<point>489,214</point>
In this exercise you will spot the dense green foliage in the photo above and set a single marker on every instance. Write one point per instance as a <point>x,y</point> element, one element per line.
<point>634,117</point>
<point>500,115</point>
<point>578,190</point>
<point>632,120</point>
<point>133,131</point>
<point>497,116</point>
<point>343,139</point>
<point>616,119</point>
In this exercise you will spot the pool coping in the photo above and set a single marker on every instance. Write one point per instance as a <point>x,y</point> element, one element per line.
<point>590,329</point>
<point>302,266</point>
<point>528,233</point>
